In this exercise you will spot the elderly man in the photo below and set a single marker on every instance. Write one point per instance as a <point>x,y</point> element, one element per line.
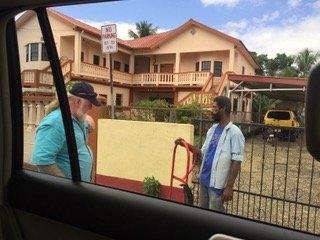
<point>222,154</point>
<point>50,152</point>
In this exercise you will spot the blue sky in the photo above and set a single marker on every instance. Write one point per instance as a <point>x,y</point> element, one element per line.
<point>265,26</point>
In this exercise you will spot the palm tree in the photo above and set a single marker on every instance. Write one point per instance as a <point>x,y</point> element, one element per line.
<point>305,60</point>
<point>143,29</point>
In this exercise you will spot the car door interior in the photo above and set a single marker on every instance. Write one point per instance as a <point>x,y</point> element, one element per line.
<point>48,207</point>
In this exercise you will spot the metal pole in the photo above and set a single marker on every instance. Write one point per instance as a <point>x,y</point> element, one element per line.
<point>111,87</point>
<point>259,120</point>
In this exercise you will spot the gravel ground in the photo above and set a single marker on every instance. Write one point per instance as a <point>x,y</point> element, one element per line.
<point>276,185</point>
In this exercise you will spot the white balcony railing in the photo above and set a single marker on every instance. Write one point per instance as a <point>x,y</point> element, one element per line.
<point>191,78</point>
<point>93,70</point>
<point>122,77</point>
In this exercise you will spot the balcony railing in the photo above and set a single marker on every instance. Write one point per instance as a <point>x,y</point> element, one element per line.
<point>92,70</point>
<point>36,78</point>
<point>175,79</point>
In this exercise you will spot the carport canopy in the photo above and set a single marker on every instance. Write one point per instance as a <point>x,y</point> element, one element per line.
<point>282,88</point>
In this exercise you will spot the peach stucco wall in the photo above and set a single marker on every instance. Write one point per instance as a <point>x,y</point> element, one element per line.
<point>105,90</point>
<point>135,150</point>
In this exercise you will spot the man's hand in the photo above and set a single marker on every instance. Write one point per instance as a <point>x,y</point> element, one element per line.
<point>227,194</point>
<point>178,141</point>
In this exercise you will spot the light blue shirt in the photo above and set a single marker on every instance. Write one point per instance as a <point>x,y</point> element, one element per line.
<point>230,147</point>
<point>51,147</point>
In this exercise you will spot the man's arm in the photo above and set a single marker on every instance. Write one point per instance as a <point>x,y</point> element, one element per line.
<point>52,169</point>
<point>228,191</point>
<point>192,148</point>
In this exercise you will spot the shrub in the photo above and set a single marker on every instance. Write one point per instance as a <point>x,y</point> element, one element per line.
<point>151,186</point>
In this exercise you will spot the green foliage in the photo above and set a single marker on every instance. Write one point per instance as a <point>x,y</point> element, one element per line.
<point>185,113</point>
<point>70,84</point>
<point>144,28</point>
<point>305,60</point>
<point>286,66</point>
<point>156,110</point>
<point>266,104</point>
<point>151,186</point>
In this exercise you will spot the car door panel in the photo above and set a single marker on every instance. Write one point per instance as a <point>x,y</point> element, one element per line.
<point>48,207</point>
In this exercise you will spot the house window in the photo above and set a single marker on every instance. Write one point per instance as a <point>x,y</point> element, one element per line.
<point>34,52</point>
<point>243,70</point>
<point>126,68</point>
<point>44,54</point>
<point>96,60</point>
<point>217,69</point>
<point>205,66</point>
<point>197,66</point>
<point>155,68</point>
<point>116,65</point>
<point>104,62</point>
<point>27,53</point>
<point>82,56</point>
<point>118,99</point>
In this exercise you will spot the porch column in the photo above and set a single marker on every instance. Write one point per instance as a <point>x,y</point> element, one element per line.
<point>231,59</point>
<point>131,64</point>
<point>40,113</point>
<point>25,114</point>
<point>177,68</point>
<point>77,52</point>
<point>32,117</point>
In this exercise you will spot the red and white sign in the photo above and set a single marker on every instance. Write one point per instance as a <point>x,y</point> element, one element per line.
<point>109,38</point>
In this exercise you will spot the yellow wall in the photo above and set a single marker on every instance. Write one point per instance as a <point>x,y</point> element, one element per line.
<point>135,150</point>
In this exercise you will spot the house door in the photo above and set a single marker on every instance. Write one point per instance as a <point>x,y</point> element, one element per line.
<point>166,68</point>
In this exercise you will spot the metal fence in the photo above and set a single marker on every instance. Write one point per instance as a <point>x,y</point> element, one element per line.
<point>279,180</point>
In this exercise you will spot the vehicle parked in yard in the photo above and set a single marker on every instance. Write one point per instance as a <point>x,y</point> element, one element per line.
<point>286,120</point>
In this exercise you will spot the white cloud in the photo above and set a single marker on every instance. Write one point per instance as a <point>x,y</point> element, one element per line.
<point>229,3</point>
<point>122,27</point>
<point>289,39</point>
<point>293,3</point>
<point>237,26</point>
<point>316,4</point>
<point>257,2</point>
<point>267,17</point>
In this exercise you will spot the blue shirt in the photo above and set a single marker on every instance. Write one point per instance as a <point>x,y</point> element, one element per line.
<point>51,147</point>
<point>230,148</point>
<point>208,161</point>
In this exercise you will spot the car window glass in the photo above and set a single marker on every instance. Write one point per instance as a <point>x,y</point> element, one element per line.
<point>137,151</point>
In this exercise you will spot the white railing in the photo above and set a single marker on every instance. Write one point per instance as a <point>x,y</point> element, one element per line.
<point>46,78</point>
<point>191,78</point>
<point>29,76</point>
<point>203,98</point>
<point>198,78</point>
<point>94,70</point>
<point>122,77</point>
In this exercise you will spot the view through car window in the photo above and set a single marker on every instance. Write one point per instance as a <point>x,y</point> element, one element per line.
<point>207,107</point>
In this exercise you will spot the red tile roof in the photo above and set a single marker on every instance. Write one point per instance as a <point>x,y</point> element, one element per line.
<point>150,42</point>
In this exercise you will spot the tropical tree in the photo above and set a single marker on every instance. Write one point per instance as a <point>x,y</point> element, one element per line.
<point>143,28</point>
<point>305,60</point>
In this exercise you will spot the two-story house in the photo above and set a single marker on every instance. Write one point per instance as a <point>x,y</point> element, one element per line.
<point>184,65</point>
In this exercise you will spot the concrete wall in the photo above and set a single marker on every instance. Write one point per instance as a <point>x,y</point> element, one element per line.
<point>135,150</point>
<point>240,62</point>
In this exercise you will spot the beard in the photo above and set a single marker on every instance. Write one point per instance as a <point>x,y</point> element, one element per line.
<point>216,117</point>
<point>81,116</point>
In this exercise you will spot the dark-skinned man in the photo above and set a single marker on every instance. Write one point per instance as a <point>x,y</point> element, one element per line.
<point>222,154</point>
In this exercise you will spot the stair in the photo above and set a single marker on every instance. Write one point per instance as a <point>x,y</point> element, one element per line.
<point>212,88</point>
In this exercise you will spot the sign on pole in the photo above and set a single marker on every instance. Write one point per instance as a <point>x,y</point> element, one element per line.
<point>109,38</point>
<point>109,45</point>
